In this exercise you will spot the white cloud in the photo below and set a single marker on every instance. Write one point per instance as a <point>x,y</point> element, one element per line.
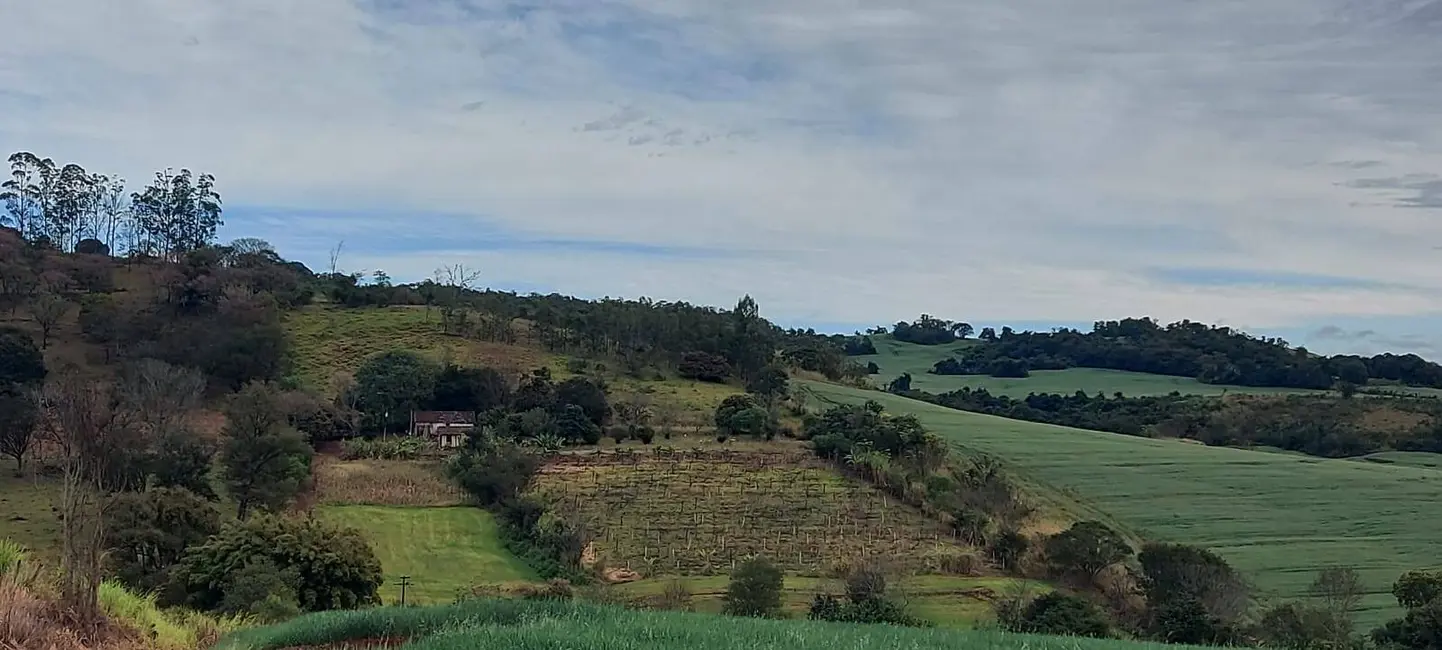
<point>994,160</point>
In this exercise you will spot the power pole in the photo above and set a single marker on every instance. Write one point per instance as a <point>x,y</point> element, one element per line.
<point>405,581</point>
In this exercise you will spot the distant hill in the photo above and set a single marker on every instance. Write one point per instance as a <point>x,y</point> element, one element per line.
<point>1209,354</point>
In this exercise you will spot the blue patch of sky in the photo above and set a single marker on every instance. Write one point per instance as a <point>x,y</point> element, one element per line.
<point>395,233</point>
<point>1224,277</point>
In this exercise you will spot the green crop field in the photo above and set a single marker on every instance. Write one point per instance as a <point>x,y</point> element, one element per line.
<point>443,549</point>
<point>696,512</point>
<point>528,625</point>
<point>896,357</point>
<point>1420,459</point>
<point>1276,516</point>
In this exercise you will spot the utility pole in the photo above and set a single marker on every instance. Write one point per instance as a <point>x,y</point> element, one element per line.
<point>405,581</point>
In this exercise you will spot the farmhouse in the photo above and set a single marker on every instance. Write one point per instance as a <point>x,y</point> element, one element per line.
<point>448,429</point>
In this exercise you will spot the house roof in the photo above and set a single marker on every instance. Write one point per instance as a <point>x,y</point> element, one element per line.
<point>443,417</point>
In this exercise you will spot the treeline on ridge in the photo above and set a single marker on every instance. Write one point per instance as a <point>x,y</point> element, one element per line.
<point>1210,354</point>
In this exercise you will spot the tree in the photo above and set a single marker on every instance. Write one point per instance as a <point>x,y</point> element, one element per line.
<point>770,384</point>
<point>148,532</point>
<point>1193,594</point>
<point>494,473</point>
<point>21,363</point>
<point>470,389</point>
<point>754,590</point>
<point>586,394</point>
<point>1086,548</point>
<point>389,386</point>
<point>264,462</point>
<point>751,344</point>
<point>987,334</point>
<point>456,281</point>
<point>1340,591</point>
<point>1417,588</point>
<point>703,366</point>
<point>87,424</point>
<point>22,194</point>
<point>178,212</point>
<point>1062,614</point>
<point>47,310</point>
<point>900,385</point>
<point>332,568</point>
<point>19,416</point>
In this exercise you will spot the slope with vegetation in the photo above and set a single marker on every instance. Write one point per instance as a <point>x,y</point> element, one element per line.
<point>1275,516</point>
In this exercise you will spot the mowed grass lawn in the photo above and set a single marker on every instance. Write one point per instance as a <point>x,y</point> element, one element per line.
<point>896,357</point>
<point>442,549</point>
<point>1278,517</point>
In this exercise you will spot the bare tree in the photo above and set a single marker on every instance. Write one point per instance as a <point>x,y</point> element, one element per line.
<point>47,310</point>
<point>159,394</point>
<point>335,256</point>
<point>18,414</point>
<point>90,428</point>
<point>457,280</point>
<point>1340,591</point>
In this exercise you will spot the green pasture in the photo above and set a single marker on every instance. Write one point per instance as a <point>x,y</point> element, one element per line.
<point>948,601</point>
<point>442,549</point>
<point>896,357</point>
<point>534,625</point>
<point>1279,517</point>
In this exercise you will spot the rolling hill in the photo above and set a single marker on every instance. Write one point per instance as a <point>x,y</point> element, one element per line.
<point>895,357</point>
<point>1279,517</point>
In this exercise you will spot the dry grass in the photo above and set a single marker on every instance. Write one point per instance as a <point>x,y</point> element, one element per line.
<point>382,483</point>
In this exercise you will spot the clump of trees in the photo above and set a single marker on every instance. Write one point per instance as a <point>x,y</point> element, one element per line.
<point>1420,594</point>
<point>866,599</point>
<point>267,564</point>
<point>929,330</point>
<point>22,372</point>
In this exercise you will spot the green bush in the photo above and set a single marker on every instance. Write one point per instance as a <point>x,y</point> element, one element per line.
<point>333,568</point>
<point>754,590</point>
<point>1062,615</point>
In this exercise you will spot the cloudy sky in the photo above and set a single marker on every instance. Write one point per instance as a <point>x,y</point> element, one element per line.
<point>1267,164</point>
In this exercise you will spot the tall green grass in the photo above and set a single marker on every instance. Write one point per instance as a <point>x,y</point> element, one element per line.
<point>12,555</point>
<point>539,625</point>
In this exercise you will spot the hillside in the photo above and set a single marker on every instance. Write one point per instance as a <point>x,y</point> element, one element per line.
<point>1277,516</point>
<point>895,357</point>
<point>1211,354</point>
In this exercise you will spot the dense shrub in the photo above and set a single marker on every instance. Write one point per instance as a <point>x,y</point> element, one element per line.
<point>754,590</point>
<point>327,567</point>
<point>1063,615</point>
<point>494,473</point>
<point>148,532</point>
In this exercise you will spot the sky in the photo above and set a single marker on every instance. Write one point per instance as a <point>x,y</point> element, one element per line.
<point>1272,166</point>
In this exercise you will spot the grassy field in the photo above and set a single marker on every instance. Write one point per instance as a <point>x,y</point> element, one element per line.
<point>443,550</point>
<point>382,483</point>
<point>25,513</point>
<point>683,512</point>
<point>897,357</point>
<point>1278,517</point>
<point>948,601</point>
<point>1419,459</point>
<point>534,625</point>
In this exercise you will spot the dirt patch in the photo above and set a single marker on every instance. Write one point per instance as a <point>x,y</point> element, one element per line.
<point>618,576</point>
